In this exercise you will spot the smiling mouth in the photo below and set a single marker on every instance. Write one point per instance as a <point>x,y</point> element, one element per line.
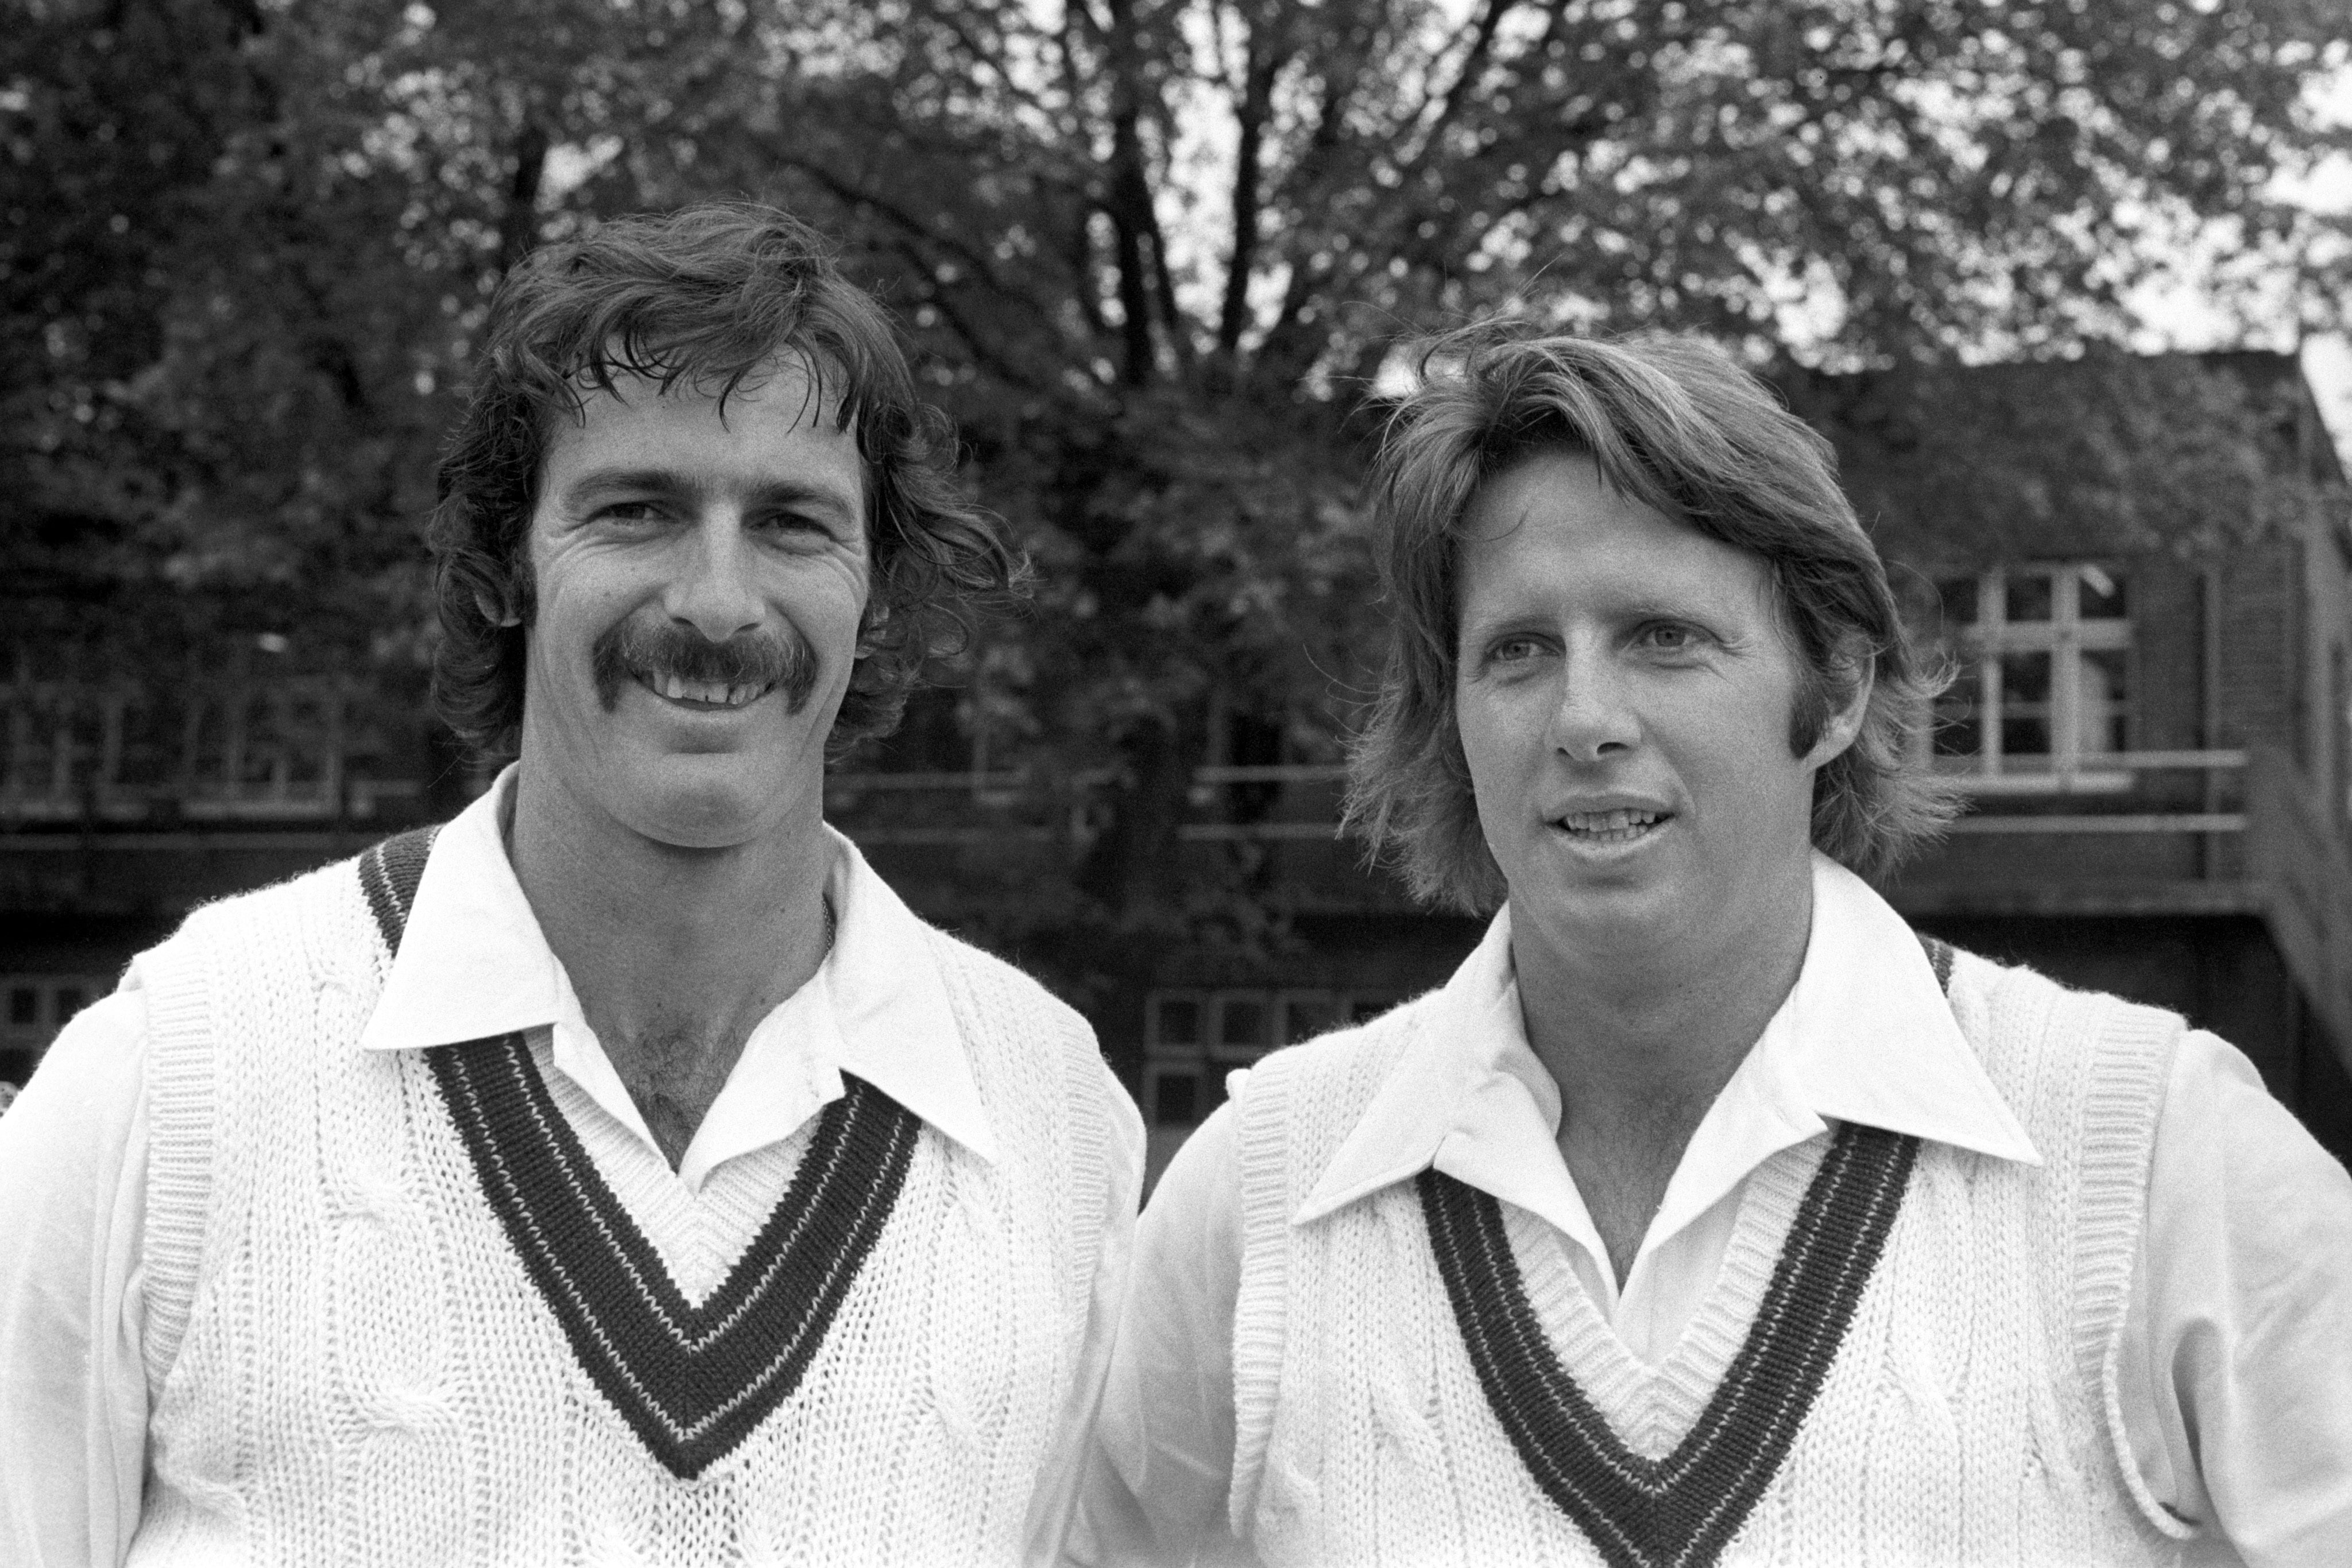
<point>1622,827</point>
<point>705,694</point>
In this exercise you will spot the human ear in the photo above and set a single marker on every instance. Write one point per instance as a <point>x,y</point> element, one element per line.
<point>495,612</point>
<point>1844,725</point>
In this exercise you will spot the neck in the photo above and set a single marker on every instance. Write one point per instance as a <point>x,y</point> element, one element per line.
<point>1629,1025</point>
<point>675,954</point>
<point>1642,1036</point>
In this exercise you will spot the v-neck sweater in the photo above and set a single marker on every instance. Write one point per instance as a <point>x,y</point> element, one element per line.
<point>1967,1417</point>
<point>359,1357</point>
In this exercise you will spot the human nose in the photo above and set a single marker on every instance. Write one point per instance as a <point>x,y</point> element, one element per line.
<point>1593,716</point>
<point>713,590</point>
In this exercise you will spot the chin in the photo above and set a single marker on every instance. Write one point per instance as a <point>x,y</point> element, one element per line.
<point>697,824</point>
<point>1606,906</point>
<point>708,808</point>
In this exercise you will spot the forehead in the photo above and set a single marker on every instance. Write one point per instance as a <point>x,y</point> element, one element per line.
<point>1547,532</point>
<point>780,420</point>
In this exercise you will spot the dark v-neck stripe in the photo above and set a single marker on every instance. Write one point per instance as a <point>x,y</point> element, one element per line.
<point>692,1382</point>
<point>1681,1510</point>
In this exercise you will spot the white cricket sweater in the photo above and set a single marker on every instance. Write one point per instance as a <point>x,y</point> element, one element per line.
<point>1966,1415</point>
<point>358,1357</point>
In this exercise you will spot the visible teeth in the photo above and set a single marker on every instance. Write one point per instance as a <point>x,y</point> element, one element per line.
<point>1618,821</point>
<point>678,689</point>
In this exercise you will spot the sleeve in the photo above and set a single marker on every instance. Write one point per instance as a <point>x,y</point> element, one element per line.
<point>2236,1371</point>
<point>73,1386</point>
<point>1056,1501</point>
<point>1156,1487</point>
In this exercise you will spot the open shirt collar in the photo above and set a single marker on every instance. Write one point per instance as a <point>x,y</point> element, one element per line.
<point>473,964</point>
<point>1865,1035</point>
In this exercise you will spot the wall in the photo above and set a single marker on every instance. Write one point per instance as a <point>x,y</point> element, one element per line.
<point>2221,972</point>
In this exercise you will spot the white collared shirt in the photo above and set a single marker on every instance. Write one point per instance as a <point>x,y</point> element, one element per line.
<point>472,963</point>
<point>2236,1374</point>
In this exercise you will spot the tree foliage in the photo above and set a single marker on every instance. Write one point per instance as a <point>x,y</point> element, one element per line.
<point>2108,454</point>
<point>1154,254</point>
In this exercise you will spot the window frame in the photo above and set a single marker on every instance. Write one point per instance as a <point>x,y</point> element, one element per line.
<point>1205,1057</point>
<point>2066,637</point>
<point>52,1010</point>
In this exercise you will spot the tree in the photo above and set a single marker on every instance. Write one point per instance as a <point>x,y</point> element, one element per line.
<point>1965,467</point>
<point>1153,252</point>
<point>1159,249</point>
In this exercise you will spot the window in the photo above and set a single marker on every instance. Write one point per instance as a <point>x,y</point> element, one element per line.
<point>2042,689</point>
<point>272,749</point>
<point>35,1006</point>
<point>1192,1038</point>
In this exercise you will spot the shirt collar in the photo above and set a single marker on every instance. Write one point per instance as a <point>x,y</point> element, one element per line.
<point>473,963</point>
<point>1870,1035</point>
<point>1865,1035</point>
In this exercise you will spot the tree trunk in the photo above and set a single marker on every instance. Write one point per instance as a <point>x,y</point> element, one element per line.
<point>1128,201</point>
<point>519,226</point>
<point>1130,867</point>
<point>1257,100</point>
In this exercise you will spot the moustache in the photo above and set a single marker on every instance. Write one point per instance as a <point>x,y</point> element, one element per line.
<point>782,660</point>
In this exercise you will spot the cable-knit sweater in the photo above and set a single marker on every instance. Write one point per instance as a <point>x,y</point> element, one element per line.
<point>1412,1389</point>
<point>387,1325</point>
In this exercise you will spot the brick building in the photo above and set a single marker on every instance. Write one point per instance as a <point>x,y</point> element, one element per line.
<point>2156,735</point>
<point>2156,739</point>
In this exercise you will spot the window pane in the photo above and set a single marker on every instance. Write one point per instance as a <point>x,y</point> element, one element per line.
<point>1304,1018</point>
<point>1959,719</point>
<point>23,1004</point>
<point>2024,735</point>
<point>1959,597</point>
<point>2101,702</point>
<point>2025,707</point>
<point>2024,678</point>
<point>1179,1021</point>
<point>1176,1097</point>
<point>70,1001</point>
<point>1242,1021</point>
<point>2029,598</point>
<point>2100,596</point>
<point>150,747</point>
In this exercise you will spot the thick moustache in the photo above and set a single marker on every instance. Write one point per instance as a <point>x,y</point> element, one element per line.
<point>675,663</point>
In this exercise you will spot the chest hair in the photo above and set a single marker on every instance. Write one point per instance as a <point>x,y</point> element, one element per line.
<point>673,1074</point>
<point>1623,1161</point>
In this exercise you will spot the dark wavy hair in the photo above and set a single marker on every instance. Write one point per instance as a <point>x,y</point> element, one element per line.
<point>1672,422</point>
<point>710,297</point>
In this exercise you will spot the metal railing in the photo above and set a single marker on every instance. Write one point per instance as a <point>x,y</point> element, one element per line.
<point>2081,796</point>
<point>209,751</point>
<point>63,749</point>
<point>308,780</point>
<point>2100,779</point>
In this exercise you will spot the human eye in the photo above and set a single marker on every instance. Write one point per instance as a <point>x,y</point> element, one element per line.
<point>1669,637</point>
<point>1515,651</point>
<point>791,525</point>
<point>632,513</point>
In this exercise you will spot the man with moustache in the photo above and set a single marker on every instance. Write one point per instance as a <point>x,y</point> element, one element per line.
<point>619,1172</point>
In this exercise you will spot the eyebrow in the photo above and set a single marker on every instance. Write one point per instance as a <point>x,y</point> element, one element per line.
<point>1648,604</point>
<point>676,484</point>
